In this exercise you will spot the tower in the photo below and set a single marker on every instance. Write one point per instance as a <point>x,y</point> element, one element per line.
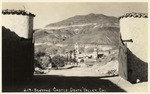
<point>19,21</point>
<point>76,51</point>
<point>134,27</point>
<point>76,48</point>
<point>133,47</point>
<point>95,53</point>
<point>17,46</point>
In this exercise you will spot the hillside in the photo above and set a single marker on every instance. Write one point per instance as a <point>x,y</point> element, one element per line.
<point>97,36</point>
<point>97,29</point>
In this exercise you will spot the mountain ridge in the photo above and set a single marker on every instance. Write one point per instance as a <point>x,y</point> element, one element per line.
<point>82,19</point>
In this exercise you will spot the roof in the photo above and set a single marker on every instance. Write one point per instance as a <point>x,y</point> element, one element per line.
<point>16,12</point>
<point>134,15</point>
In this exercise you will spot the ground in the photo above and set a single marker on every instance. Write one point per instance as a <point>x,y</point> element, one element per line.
<point>74,78</point>
<point>77,71</point>
<point>73,70</point>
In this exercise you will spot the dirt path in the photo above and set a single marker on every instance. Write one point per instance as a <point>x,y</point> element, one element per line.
<point>73,70</point>
<point>83,71</point>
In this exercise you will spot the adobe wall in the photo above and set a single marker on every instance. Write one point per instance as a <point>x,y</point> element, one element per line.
<point>17,59</point>
<point>21,24</point>
<point>17,48</point>
<point>137,30</point>
<point>135,26</point>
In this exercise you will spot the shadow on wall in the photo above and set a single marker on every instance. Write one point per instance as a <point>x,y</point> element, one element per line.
<point>137,69</point>
<point>17,58</point>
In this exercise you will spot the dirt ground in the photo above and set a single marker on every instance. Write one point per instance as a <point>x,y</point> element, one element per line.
<point>82,71</point>
<point>77,79</point>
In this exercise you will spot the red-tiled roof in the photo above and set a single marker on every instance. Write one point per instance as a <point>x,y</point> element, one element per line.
<point>16,12</point>
<point>134,15</point>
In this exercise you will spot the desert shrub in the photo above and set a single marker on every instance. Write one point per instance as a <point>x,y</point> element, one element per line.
<point>46,60</point>
<point>59,61</point>
<point>37,64</point>
<point>112,72</point>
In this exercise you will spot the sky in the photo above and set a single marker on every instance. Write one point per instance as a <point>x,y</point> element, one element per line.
<point>51,12</point>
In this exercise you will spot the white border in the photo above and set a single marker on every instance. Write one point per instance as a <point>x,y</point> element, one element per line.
<point>75,0</point>
<point>80,1</point>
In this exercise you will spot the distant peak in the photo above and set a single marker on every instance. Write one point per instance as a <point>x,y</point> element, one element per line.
<point>91,14</point>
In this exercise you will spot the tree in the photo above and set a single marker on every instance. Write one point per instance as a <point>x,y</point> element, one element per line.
<point>59,61</point>
<point>42,60</point>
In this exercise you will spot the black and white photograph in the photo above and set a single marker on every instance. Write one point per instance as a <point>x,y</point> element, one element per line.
<point>74,47</point>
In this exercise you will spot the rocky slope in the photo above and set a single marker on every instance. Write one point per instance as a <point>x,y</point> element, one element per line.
<point>105,27</point>
<point>97,29</point>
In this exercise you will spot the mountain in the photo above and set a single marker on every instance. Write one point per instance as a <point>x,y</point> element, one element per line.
<point>84,19</point>
<point>91,29</point>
